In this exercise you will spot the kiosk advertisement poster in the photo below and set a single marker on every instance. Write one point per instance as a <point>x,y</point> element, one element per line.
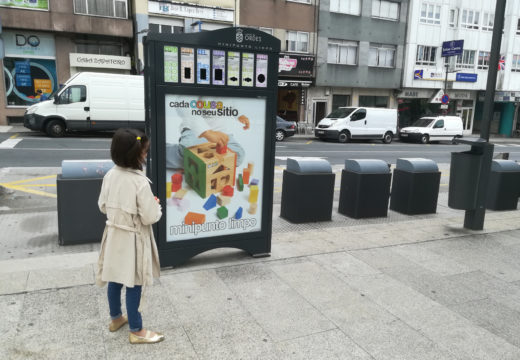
<point>215,160</point>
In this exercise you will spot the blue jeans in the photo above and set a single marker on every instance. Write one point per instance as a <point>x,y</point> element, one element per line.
<point>175,152</point>
<point>133,298</point>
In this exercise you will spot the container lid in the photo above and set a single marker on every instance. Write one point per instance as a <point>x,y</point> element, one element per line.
<point>308,165</point>
<point>367,166</point>
<point>505,166</point>
<point>416,165</point>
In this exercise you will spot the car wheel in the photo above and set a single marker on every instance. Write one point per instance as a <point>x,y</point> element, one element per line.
<point>279,135</point>
<point>55,128</point>
<point>454,140</point>
<point>425,139</point>
<point>387,139</point>
<point>344,137</point>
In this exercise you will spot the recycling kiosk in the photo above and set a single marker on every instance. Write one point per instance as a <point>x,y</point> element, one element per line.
<point>307,190</point>
<point>504,183</point>
<point>78,187</point>
<point>210,101</point>
<point>365,188</point>
<point>415,186</point>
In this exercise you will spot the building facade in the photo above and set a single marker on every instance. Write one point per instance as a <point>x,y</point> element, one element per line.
<point>294,23</point>
<point>48,41</point>
<point>360,51</point>
<point>433,22</point>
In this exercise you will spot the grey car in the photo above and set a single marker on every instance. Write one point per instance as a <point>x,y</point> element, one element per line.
<point>284,128</point>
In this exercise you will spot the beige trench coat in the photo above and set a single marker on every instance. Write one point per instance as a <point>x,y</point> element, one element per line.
<point>128,252</point>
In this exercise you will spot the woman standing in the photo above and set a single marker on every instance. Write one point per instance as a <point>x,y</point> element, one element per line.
<point>128,253</point>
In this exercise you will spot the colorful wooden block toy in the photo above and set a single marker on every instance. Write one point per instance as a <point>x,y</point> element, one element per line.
<point>207,171</point>
<point>222,212</point>
<point>194,218</point>
<point>238,214</point>
<point>253,194</point>
<point>240,183</point>
<point>211,202</point>
<point>176,182</point>
<point>223,200</point>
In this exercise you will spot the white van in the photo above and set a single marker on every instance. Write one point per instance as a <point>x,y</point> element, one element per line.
<point>90,101</point>
<point>347,123</point>
<point>433,128</point>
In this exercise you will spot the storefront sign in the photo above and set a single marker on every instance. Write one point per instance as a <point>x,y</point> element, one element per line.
<point>460,95</point>
<point>425,74</point>
<point>415,94</point>
<point>29,44</point>
<point>26,4</point>
<point>100,61</point>
<point>296,65</point>
<point>288,83</point>
<point>190,11</point>
<point>463,77</point>
<point>503,96</point>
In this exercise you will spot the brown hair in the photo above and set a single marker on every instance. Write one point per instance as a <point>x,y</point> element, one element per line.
<point>127,147</point>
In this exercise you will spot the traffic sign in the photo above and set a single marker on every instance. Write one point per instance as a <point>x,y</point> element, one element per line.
<point>452,48</point>
<point>444,107</point>
<point>445,99</point>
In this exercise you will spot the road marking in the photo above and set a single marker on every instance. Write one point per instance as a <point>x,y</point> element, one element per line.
<point>308,142</point>
<point>14,136</point>
<point>24,187</point>
<point>9,143</point>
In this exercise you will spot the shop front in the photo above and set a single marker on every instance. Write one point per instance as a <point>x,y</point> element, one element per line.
<point>506,111</point>
<point>99,63</point>
<point>29,69</point>
<point>295,76</point>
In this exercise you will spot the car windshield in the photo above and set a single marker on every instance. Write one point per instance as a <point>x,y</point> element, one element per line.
<point>423,122</point>
<point>340,113</point>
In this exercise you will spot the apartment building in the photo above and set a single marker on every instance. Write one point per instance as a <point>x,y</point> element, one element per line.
<point>430,23</point>
<point>360,51</point>
<point>294,23</point>
<point>48,41</point>
<point>174,17</point>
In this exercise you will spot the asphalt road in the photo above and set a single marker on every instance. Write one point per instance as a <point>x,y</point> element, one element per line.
<point>31,149</point>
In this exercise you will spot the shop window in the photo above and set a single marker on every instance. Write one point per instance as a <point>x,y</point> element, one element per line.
<point>488,20</point>
<point>99,48</point>
<point>430,14</point>
<point>518,27</point>
<point>515,65</point>
<point>483,60</point>
<point>387,10</point>
<point>454,18</point>
<point>342,52</point>
<point>297,41</point>
<point>373,101</point>
<point>466,60</point>
<point>470,19</point>
<point>107,8</point>
<point>351,7</point>
<point>381,55</point>
<point>25,76</point>
<point>426,55</point>
<point>340,101</point>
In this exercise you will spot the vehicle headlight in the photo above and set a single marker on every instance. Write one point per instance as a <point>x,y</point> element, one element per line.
<point>31,109</point>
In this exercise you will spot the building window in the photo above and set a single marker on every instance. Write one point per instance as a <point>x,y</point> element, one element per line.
<point>454,18</point>
<point>426,55</point>
<point>515,65</point>
<point>165,29</point>
<point>466,60</point>
<point>488,21</point>
<point>373,101</point>
<point>430,14</point>
<point>483,60</point>
<point>387,10</point>
<point>470,19</point>
<point>266,30</point>
<point>342,52</point>
<point>297,41</point>
<point>99,48</point>
<point>109,8</point>
<point>351,7</point>
<point>300,1</point>
<point>340,101</point>
<point>381,55</point>
<point>518,27</point>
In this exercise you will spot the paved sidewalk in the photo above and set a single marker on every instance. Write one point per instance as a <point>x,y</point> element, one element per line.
<point>414,289</point>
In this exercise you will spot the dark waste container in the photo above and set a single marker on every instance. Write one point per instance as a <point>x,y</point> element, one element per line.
<point>78,188</point>
<point>504,182</point>
<point>307,191</point>
<point>365,188</point>
<point>415,186</point>
<point>463,186</point>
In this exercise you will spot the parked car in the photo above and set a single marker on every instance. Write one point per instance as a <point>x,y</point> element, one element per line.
<point>284,128</point>
<point>347,123</point>
<point>433,128</point>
